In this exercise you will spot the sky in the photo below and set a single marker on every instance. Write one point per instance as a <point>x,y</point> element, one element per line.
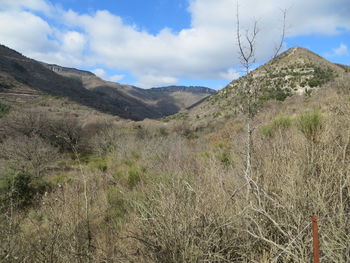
<point>169,42</point>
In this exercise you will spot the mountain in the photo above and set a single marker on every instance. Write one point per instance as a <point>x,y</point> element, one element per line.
<point>296,71</point>
<point>149,103</point>
<point>20,75</point>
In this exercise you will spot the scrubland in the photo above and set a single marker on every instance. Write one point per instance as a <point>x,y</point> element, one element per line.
<point>152,191</point>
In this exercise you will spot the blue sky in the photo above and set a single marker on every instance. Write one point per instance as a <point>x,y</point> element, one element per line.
<point>150,15</point>
<point>165,42</point>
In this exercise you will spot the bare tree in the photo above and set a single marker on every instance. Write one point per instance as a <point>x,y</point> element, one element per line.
<point>247,56</point>
<point>28,154</point>
<point>251,90</point>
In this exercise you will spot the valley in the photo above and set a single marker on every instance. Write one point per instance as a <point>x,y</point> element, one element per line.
<point>95,171</point>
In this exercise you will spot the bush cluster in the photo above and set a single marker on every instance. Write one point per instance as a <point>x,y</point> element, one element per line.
<point>133,193</point>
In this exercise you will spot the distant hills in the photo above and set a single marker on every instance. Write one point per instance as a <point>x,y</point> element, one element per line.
<point>148,103</point>
<point>296,71</point>
<point>22,75</point>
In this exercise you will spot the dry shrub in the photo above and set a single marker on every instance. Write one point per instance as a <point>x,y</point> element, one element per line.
<point>25,122</point>
<point>297,173</point>
<point>186,205</point>
<point>299,176</point>
<point>189,219</point>
<point>28,154</point>
<point>72,224</point>
<point>63,132</point>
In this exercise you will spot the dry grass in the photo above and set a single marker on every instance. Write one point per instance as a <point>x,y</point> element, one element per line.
<point>148,193</point>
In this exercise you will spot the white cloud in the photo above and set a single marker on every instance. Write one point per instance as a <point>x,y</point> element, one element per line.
<point>116,78</point>
<point>25,32</point>
<point>150,81</point>
<point>230,74</point>
<point>73,42</point>
<point>36,5</point>
<point>341,50</point>
<point>100,73</point>
<point>205,50</point>
<point>103,75</point>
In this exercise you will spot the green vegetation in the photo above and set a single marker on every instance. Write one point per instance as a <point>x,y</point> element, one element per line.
<point>310,124</point>
<point>4,109</point>
<point>308,93</point>
<point>21,189</point>
<point>118,206</point>
<point>321,76</point>
<point>177,116</point>
<point>275,93</point>
<point>134,176</point>
<point>216,114</point>
<point>98,163</point>
<point>280,123</point>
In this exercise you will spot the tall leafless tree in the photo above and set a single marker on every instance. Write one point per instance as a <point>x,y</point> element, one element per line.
<point>247,57</point>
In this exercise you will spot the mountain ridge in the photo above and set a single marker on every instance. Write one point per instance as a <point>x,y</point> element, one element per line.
<point>84,87</point>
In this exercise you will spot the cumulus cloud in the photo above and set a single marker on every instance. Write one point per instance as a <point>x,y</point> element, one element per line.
<point>230,74</point>
<point>150,81</point>
<point>26,32</point>
<point>205,50</point>
<point>341,50</point>
<point>37,5</point>
<point>116,78</point>
<point>73,42</point>
<point>103,75</point>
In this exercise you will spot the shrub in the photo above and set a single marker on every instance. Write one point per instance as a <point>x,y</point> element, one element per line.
<point>134,177</point>
<point>192,136</point>
<point>308,93</point>
<point>313,82</point>
<point>65,133</point>
<point>282,122</point>
<point>26,123</point>
<point>267,131</point>
<point>320,77</point>
<point>98,163</point>
<point>21,188</point>
<point>216,114</point>
<point>103,140</point>
<point>310,123</point>
<point>28,154</point>
<point>4,109</point>
<point>181,222</point>
<point>225,158</point>
<point>118,206</point>
<point>177,116</point>
<point>274,93</point>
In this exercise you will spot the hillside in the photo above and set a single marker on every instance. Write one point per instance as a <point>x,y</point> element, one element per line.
<point>24,77</point>
<point>148,103</point>
<point>18,73</point>
<point>296,71</point>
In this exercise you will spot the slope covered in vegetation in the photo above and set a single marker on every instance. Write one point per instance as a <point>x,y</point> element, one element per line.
<point>20,75</point>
